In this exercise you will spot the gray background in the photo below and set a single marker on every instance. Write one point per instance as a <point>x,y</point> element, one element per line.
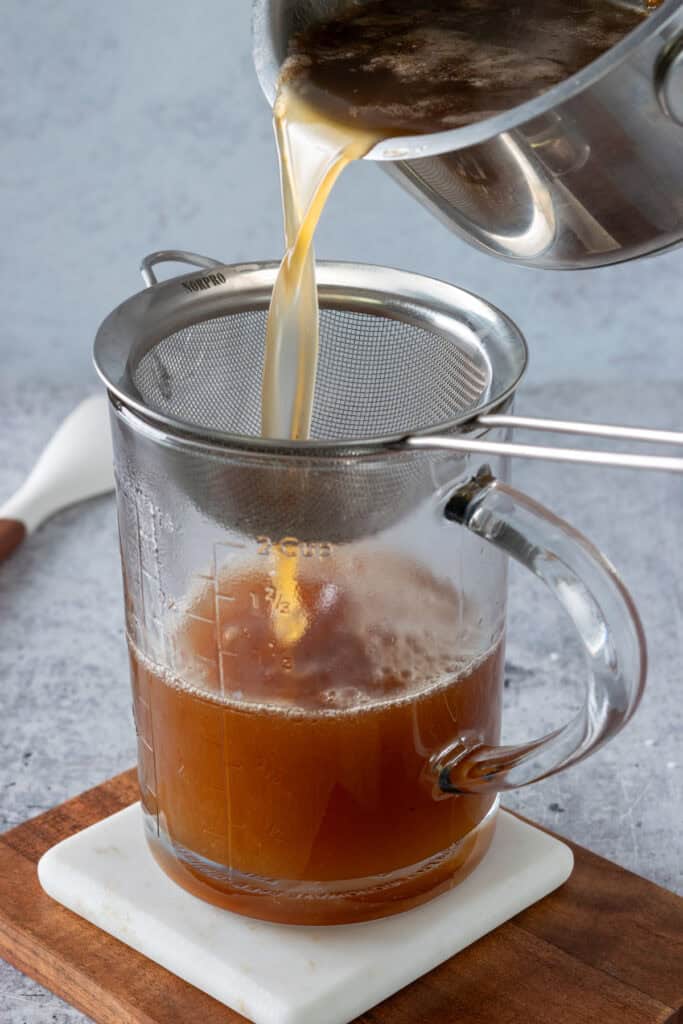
<point>131,127</point>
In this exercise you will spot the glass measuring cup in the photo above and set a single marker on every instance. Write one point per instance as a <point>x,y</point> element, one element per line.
<point>316,632</point>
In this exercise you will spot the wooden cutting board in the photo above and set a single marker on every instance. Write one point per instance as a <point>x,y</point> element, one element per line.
<point>605,948</point>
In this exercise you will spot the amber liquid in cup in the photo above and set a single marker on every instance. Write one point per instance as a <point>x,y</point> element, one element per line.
<point>293,781</point>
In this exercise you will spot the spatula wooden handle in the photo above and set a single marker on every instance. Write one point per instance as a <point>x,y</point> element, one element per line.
<point>12,532</point>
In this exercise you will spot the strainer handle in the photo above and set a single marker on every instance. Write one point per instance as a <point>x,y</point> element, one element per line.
<point>602,610</point>
<point>147,263</point>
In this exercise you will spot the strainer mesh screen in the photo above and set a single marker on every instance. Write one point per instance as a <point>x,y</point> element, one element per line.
<point>376,375</point>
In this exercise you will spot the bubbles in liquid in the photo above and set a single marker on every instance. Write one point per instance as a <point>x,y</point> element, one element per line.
<point>381,628</point>
<point>392,686</point>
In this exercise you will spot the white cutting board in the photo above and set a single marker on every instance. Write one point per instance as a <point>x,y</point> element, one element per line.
<point>283,974</point>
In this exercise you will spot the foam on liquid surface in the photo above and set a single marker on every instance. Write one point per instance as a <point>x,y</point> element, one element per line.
<point>378,629</point>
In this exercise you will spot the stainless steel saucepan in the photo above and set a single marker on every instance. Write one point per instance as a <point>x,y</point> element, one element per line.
<point>587,174</point>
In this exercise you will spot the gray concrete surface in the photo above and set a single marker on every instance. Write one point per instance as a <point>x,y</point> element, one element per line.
<point>128,128</point>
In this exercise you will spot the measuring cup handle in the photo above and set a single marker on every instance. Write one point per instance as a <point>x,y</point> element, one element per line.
<point>602,610</point>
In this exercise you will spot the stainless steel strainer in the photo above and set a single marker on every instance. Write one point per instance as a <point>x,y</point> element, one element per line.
<point>406,363</point>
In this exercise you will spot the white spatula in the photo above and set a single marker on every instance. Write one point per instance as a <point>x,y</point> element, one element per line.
<point>76,464</point>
